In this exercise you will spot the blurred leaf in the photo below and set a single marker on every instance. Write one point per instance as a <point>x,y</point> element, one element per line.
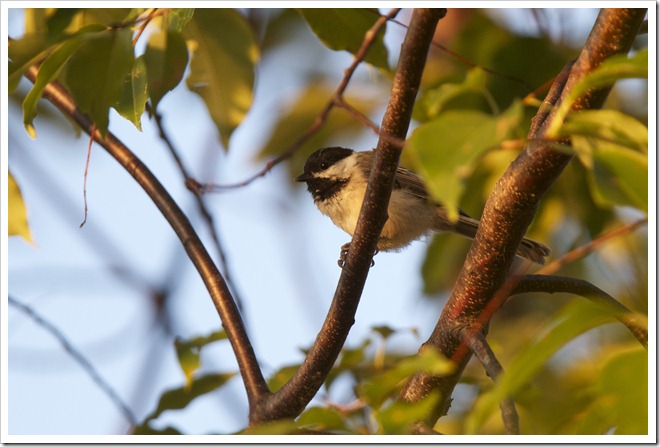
<point>188,352</point>
<point>574,320</point>
<point>383,331</point>
<point>345,28</point>
<point>350,360</point>
<point>17,222</point>
<point>146,429</point>
<point>443,261</point>
<point>177,18</point>
<point>222,68</point>
<point>134,94</point>
<point>281,427</point>
<point>321,418</point>
<point>617,175</point>
<point>282,376</point>
<point>23,53</point>
<point>294,122</point>
<point>623,389</point>
<point>108,16</point>
<point>50,69</point>
<point>400,417</point>
<point>166,58</point>
<point>608,125</point>
<point>60,20</point>
<point>613,69</point>
<point>378,388</point>
<point>95,73</point>
<point>434,101</point>
<point>179,398</point>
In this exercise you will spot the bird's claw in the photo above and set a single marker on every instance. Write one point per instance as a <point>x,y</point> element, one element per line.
<point>343,255</point>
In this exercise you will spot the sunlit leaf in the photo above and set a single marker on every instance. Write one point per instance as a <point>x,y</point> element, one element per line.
<point>345,28</point>
<point>281,427</point>
<point>178,18</point>
<point>222,67</point>
<point>617,175</point>
<point>434,101</point>
<point>188,352</point>
<point>400,417</point>
<point>575,319</point>
<point>17,222</point>
<point>179,398</point>
<point>166,58</point>
<point>134,94</point>
<point>50,69</point>
<point>609,126</point>
<point>613,69</point>
<point>282,376</point>
<point>378,388</point>
<point>321,418</point>
<point>444,152</point>
<point>95,73</point>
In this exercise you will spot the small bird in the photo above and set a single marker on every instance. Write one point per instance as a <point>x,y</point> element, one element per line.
<point>337,179</point>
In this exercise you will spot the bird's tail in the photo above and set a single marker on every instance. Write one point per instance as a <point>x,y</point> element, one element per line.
<point>467,227</point>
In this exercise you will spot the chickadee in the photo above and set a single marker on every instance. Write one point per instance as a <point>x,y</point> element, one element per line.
<point>337,179</point>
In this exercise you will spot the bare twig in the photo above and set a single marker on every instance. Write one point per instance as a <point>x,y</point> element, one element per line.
<point>477,343</point>
<point>77,356</point>
<point>337,100</point>
<point>89,155</point>
<point>585,249</point>
<point>193,186</point>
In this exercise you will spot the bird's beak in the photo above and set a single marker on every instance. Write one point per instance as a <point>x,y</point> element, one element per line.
<point>304,177</point>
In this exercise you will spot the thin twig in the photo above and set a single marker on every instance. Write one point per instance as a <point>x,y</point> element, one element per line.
<point>77,356</point>
<point>193,186</point>
<point>89,155</point>
<point>477,343</point>
<point>584,250</point>
<point>337,100</point>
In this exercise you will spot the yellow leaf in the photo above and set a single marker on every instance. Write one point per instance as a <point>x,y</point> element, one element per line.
<point>17,219</point>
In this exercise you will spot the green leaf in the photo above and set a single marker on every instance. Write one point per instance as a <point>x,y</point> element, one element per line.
<point>95,73</point>
<point>17,222</point>
<point>608,125</point>
<point>179,398</point>
<point>281,427</point>
<point>613,69</point>
<point>321,418</point>
<point>345,28</point>
<point>400,417</point>
<point>188,352</point>
<point>376,390</point>
<point>222,68</point>
<point>282,376</point>
<point>383,331</point>
<point>50,69</point>
<point>146,429</point>
<point>177,18</point>
<point>434,101</point>
<point>166,58</point>
<point>445,152</point>
<point>574,320</point>
<point>134,94</point>
<point>623,387</point>
<point>616,175</point>
<point>23,53</point>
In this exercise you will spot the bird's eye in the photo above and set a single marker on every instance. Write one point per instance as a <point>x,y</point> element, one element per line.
<point>325,165</point>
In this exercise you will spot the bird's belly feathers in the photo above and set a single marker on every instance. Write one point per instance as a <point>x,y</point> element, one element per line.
<point>400,228</point>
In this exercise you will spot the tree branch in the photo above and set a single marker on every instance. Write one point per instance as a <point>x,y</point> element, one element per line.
<point>291,399</point>
<point>562,284</point>
<point>511,207</point>
<point>231,320</point>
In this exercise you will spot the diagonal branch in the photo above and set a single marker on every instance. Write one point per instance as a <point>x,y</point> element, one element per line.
<point>512,205</point>
<point>231,320</point>
<point>291,399</point>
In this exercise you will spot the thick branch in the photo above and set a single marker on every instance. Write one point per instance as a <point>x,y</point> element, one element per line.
<point>213,280</point>
<point>296,394</point>
<point>511,207</point>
